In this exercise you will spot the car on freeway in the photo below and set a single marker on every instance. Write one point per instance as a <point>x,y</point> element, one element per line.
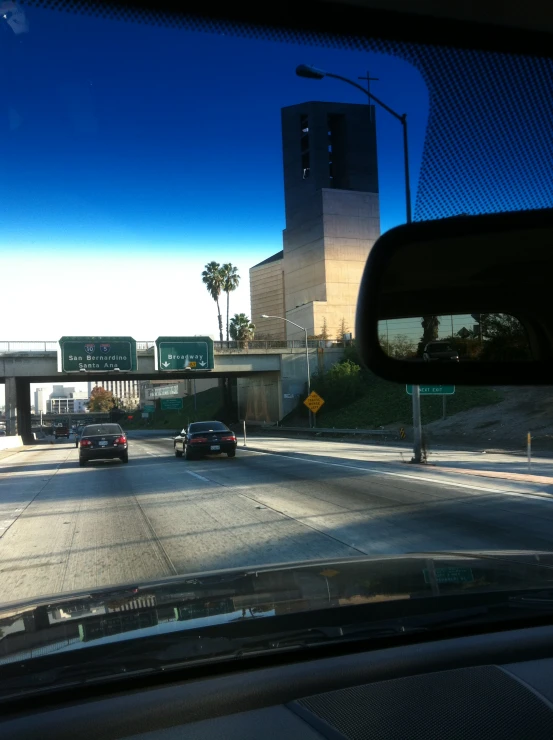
<point>440,352</point>
<point>103,442</point>
<point>205,438</point>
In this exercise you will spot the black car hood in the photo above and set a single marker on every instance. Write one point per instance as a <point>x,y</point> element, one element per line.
<point>202,600</point>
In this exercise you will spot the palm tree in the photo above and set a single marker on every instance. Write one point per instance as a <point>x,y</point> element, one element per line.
<point>213,279</point>
<point>231,279</point>
<point>241,328</point>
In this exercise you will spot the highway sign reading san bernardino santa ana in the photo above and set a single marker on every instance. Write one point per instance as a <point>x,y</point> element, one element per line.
<point>97,353</point>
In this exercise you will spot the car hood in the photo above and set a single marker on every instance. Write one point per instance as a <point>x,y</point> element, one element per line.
<point>201,600</point>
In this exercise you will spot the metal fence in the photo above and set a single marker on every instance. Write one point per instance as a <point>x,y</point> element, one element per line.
<point>258,344</point>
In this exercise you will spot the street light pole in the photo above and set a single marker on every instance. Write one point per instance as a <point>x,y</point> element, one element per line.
<point>264,316</point>
<point>312,73</point>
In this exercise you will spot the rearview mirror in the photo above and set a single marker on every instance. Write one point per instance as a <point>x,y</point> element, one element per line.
<point>465,300</point>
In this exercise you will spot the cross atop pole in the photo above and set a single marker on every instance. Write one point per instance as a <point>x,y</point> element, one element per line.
<point>369,79</point>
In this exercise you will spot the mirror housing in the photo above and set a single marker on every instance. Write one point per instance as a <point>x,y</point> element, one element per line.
<point>492,265</point>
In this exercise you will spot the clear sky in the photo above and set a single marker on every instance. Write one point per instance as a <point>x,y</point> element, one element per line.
<point>133,155</point>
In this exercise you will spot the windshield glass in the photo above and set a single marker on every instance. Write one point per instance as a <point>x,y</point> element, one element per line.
<point>207,426</point>
<point>209,200</point>
<point>102,429</point>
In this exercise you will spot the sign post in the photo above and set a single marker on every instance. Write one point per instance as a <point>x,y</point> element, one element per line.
<point>184,353</point>
<point>416,392</point>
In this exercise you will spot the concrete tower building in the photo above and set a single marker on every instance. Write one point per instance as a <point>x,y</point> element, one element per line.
<point>332,220</point>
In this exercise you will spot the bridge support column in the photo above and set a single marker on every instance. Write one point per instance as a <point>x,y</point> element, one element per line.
<point>23,395</point>
<point>11,407</point>
<point>18,409</point>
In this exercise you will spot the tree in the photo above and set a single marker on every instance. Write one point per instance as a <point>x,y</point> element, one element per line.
<point>324,330</point>
<point>241,328</point>
<point>213,279</point>
<point>341,385</point>
<point>230,281</point>
<point>101,400</point>
<point>504,339</point>
<point>399,346</point>
<point>344,329</point>
<point>430,326</point>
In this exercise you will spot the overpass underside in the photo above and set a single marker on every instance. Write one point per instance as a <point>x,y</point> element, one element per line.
<point>269,384</point>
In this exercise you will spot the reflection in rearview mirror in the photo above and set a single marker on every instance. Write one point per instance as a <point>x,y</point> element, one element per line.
<point>483,337</point>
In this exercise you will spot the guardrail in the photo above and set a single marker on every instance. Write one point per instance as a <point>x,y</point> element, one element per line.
<point>148,346</point>
<point>331,430</point>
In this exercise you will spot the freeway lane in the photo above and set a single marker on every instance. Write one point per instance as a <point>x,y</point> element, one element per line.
<point>69,528</point>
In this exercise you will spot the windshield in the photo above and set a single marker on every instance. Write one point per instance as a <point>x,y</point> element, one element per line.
<point>102,429</point>
<point>209,199</point>
<point>439,348</point>
<point>207,426</point>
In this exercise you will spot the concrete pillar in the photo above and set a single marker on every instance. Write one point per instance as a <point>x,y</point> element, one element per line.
<point>23,400</point>
<point>11,407</point>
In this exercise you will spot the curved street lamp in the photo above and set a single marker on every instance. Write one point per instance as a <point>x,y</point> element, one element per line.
<point>313,73</point>
<point>264,316</point>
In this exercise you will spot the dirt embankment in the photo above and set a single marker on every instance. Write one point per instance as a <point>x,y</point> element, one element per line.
<point>502,426</point>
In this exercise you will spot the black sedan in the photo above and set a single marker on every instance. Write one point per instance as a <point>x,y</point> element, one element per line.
<point>103,442</point>
<point>205,438</point>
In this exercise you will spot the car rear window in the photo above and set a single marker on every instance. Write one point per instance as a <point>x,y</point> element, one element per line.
<point>208,426</point>
<point>96,429</point>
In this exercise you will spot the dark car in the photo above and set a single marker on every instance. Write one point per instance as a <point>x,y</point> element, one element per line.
<point>440,352</point>
<point>102,442</point>
<point>205,438</point>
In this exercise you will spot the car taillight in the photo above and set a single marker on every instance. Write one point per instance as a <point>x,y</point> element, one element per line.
<point>229,438</point>
<point>197,440</point>
<point>85,443</point>
<point>121,441</point>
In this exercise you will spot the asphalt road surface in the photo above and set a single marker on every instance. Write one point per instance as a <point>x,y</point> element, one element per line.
<point>66,528</point>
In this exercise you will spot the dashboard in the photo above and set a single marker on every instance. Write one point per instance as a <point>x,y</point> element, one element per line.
<point>487,686</point>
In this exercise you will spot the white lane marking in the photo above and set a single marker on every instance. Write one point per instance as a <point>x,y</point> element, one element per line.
<point>425,479</point>
<point>199,477</point>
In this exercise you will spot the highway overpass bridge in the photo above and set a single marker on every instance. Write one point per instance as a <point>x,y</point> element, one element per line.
<point>271,375</point>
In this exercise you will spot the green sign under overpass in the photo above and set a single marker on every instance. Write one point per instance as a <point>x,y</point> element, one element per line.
<point>171,404</point>
<point>100,354</point>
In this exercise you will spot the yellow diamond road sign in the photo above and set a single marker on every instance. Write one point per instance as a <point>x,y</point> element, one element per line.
<point>313,402</point>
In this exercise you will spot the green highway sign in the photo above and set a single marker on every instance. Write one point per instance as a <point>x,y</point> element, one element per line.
<point>180,353</point>
<point>433,390</point>
<point>97,353</point>
<point>449,575</point>
<point>171,404</point>
<point>149,407</point>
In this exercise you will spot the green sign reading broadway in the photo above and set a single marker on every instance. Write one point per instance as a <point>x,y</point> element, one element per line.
<point>97,353</point>
<point>433,390</point>
<point>185,353</point>
<point>171,404</point>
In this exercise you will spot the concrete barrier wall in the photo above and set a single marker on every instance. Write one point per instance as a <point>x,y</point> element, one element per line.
<point>6,443</point>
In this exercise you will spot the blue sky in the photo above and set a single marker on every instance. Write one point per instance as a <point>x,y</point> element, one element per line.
<point>132,155</point>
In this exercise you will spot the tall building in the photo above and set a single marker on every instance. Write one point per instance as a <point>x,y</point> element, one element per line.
<point>65,399</point>
<point>40,401</point>
<point>124,390</point>
<point>332,220</point>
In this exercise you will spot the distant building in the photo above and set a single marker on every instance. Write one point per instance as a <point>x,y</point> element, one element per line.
<point>127,391</point>
<point>66,400</point>
<point>332,221</point>
<point>40,401</point>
